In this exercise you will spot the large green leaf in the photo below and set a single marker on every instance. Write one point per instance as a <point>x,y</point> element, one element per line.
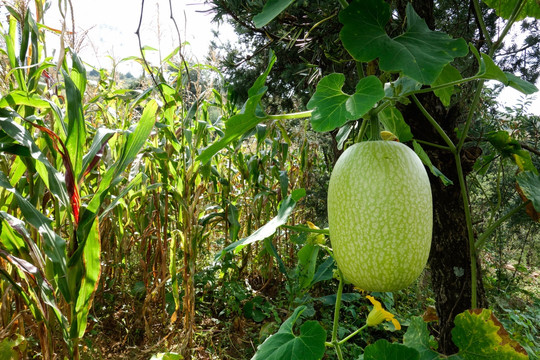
<point>417,337</point>
<point>480,336</point>
<point>76,130</point>
<point>393,121</point>
<point>88,281</point>
<point>332,107</point>
<point>504,8</point>
<point>418,53</point>
<point>245,120</point>
<point>271,9</point>
<point>448,74</point>
<point>384,350</point>
<point>529,183</point>
<point>17,98</point>
<point>286,345</point>
<point>268,229</point>
<point>307,262</point>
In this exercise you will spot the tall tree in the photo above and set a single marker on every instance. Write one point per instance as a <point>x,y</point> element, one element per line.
<point>305,32</point>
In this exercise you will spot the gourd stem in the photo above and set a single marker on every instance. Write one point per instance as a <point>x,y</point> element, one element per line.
<point>298,115</point>
<point>352,334</point>
<point>515,13</point>
<point>481,22</point>
<point>470,232</point>
<point>362,131</point>
<point>443,86</point>
<point>432,144</point>
<point>336,316</point>
<point>434,123</point>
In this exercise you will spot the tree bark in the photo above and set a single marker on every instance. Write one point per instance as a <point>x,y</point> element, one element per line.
<point>449,260</point>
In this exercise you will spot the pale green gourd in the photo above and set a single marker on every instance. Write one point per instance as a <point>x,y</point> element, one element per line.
<point>380,215</point>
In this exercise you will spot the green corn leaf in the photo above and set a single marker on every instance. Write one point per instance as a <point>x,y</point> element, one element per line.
<point>50,176</point>
<point>54,246</point>
<point>19,244</point>
<point>286,345</point>
<point>88,281</point>
<point>92,157</point>
<point>17,98</point>
<point>332,107</point>
<point>137,138</point>
<point>78,73</point>
<point>271,9</point>
<point>134,143</point>
<point>76,129</point>
<point>418,53</point>
<point>268,229</point>
<point>246,120</point>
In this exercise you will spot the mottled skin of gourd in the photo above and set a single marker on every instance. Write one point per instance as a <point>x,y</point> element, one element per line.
<point>380,215</point>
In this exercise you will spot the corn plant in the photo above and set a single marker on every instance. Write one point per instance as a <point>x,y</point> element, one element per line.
<point>50,205</point>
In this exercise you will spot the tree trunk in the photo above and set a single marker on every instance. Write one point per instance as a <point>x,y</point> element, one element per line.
<point>449,260</point>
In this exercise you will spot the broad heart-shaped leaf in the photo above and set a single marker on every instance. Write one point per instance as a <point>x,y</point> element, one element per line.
<point>247,119</point>
<point>332,107</point>
<point>418,53</point>
<point>286,345</point>
<point>417,337</point>
<point>529,183</point>
<point>393,121</point>
<point>271,9</point>
<point>448,74</point>
<point>505,8</point>
<point>479,335</point>
<point>384,350</point>
<point>268,229</point>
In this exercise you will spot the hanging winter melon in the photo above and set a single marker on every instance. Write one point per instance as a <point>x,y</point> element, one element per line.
<point>380,215</point>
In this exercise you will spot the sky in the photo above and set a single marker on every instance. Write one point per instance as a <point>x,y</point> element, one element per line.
<point>110,27</point>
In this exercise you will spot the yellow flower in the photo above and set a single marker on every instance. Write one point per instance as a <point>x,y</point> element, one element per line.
<point>378,315</point>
